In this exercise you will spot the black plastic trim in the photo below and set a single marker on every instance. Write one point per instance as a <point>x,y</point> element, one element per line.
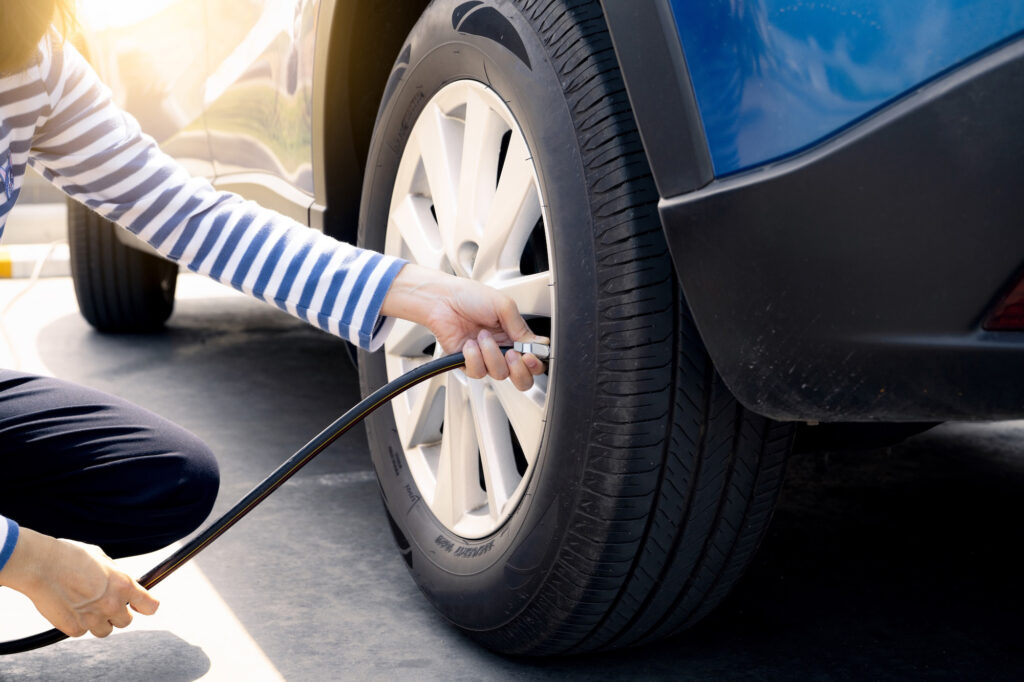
<point>849,283</point>
<point>337,173</point>
<point>658,82</point>
<point>356,44</point>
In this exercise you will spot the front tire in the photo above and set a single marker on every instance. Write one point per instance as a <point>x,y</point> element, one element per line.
<point>649,487</point>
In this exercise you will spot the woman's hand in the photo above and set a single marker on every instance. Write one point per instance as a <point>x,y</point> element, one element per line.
<point>79,590</point>
<point>468,316</point>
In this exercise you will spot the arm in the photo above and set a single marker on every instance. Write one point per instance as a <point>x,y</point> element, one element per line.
<point>96,153</point>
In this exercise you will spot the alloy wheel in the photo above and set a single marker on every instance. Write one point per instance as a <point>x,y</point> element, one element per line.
<point>467,201</point>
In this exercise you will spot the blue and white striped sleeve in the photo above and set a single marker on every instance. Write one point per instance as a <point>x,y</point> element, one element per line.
<point>8,539</point>
<point>96,152</point>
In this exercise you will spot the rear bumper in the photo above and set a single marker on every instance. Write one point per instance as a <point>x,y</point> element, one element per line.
<point>850,283</point>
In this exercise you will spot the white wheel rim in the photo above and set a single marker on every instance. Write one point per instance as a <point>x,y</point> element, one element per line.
<point>471,445</point>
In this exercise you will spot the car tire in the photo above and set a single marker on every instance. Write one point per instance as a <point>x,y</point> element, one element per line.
<point>119,289</point>
<point>651,486</point>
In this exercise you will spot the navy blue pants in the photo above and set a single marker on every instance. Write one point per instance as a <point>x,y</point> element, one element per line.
<point>77,463</point>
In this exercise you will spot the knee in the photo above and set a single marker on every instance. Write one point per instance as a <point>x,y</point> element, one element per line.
<point>173,491</point>
<point>183,484</point>
<point>198,483</point>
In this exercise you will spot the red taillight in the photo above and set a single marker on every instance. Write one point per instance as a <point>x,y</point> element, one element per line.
<point>1009,314</point>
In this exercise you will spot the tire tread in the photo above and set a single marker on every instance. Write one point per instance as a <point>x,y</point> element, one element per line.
<point>666,521</point>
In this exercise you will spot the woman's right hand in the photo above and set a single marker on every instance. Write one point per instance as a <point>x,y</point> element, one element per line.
<point>468,316</point>
<point>79,590</point>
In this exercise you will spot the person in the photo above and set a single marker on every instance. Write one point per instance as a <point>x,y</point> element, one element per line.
<point>87,466</point>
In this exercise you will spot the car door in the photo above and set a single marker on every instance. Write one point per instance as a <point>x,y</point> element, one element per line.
<point>153,57</point>
<point>259,99</point>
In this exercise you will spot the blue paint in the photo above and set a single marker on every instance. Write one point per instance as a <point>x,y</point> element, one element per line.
<point>775,76</point>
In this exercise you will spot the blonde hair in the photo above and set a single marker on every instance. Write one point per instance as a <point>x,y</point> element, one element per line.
<point>25,23</point>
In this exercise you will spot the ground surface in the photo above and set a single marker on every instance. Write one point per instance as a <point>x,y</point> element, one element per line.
<point>889,564</point>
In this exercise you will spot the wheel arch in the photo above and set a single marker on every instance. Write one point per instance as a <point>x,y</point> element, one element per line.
<point>356,45</point>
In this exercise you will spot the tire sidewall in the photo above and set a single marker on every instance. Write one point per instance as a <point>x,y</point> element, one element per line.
<point>482,584</point>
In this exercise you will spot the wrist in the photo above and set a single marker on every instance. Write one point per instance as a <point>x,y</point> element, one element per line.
<point>22,570</point>
<point>414,293</point>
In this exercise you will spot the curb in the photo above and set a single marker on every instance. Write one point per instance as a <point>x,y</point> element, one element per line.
<point>35,237</point>
<point>21,260</point>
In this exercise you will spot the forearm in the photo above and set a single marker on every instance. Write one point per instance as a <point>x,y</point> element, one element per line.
<point>334,286</point>
<point>28,552</point>
<point>95,152</point>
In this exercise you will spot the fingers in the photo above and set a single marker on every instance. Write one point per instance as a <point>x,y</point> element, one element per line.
<point>475,367</point>
<point>69,626</point>
<point>114,613</point>
<point>518,371</point>
<point>102,629</point>
<point>533,364</point>
<point>484,358</point>
<point>121,619</point>
<point>511,321</point>
<point>497,367</point>
<point>142,601</point>
<point>111,611</point>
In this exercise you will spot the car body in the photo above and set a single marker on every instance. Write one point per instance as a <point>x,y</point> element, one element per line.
<point>819,227</point>
<point>846,221</point>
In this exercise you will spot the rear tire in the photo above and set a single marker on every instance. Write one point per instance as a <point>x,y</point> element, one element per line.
<point>119,289</point>
<point>653,486</point>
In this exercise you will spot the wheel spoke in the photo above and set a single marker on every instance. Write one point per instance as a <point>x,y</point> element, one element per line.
<point>496,454</point>
<point>513,215</point>
<point>425,413</point>
<point>458,488</point>
<point>479,167</point>
<point>439,140</point>
<point>408,339</point>
<point>532,293</point>
<point>419,231</point>
<point>525,411</point>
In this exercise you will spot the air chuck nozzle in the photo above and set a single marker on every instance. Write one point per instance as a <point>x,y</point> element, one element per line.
<point>540,350</point>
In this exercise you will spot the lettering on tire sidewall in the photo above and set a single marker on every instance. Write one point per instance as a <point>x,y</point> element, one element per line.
<point>443,548</point>
<point>460,551</point>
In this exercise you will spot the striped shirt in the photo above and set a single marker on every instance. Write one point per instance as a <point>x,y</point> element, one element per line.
<point>59,118</point>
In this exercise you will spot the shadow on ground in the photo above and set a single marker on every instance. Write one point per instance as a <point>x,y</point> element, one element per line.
<point>118,657</point>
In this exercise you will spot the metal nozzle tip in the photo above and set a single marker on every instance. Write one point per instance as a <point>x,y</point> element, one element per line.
<point>540,350</point>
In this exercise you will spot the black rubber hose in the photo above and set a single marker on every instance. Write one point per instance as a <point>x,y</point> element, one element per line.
<point>271,483</point>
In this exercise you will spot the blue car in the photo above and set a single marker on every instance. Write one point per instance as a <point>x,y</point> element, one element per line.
<point>744,224</point>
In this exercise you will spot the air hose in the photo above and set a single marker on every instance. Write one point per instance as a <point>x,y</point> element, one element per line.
<point>289,467</point>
